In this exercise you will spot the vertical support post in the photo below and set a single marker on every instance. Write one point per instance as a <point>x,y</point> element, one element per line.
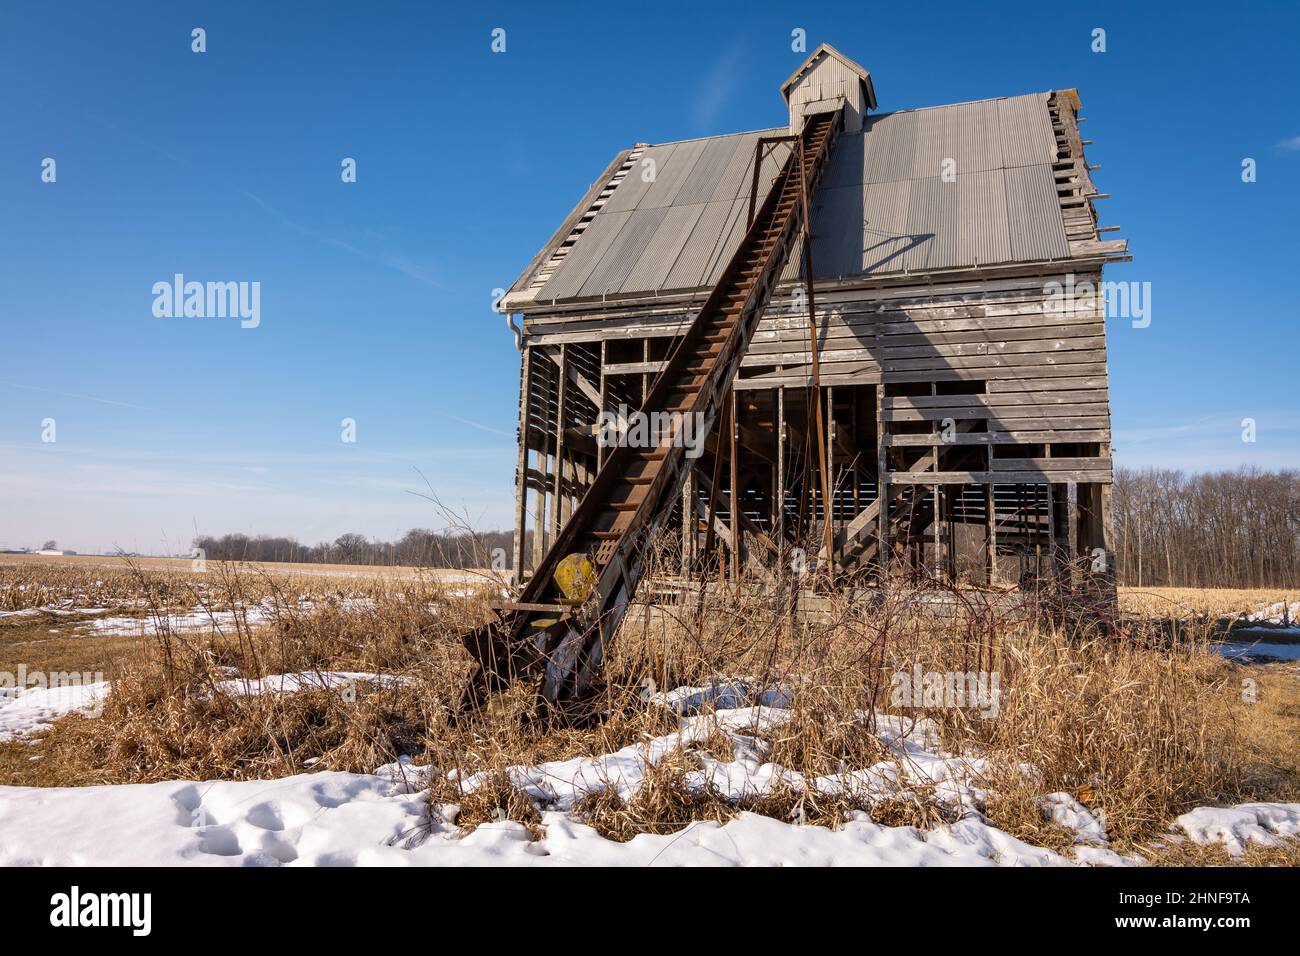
<point>1022,522</point>
<point>951,494</point>
<point>557,495</point>
<point>1072,530</point>
<point>1060,505</point>
<point>883,534</point>
<point>828,541</point>
<point>1094,537</point>
<point>832,488</point>
<point>541,526</point>
<point>645,376</point>
<point>779,526</point>
<point>604,403</point>
<point>734,479</point>
<point>990,537</point>
<point>709,532</point>
<point>1107,538</point>
<point>688,520</point>
<point>939,531</point>
<point>539,517</point>
<point>521,466</point>
<point>952,533</point>
<point>857,465</point>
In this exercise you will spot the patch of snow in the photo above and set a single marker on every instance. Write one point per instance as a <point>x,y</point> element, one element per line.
<point>356,819</point>
<point>305,680</point>
<point>1264,823</point>
<point>1069,814</point>
<point>27,709</point>
<point>56,610</point>
<point>24,710</point>
<point>359,820</point>
<point>196,619</point>
<point>726,693</point>
<point>1280,613</point>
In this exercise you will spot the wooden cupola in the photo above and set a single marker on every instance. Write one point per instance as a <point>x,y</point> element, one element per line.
<point>826,81</point>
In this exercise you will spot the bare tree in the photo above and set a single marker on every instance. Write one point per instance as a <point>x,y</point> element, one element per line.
<point>1218,529</point>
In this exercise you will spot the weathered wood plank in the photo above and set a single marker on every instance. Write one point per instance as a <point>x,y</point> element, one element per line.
<point>1079,409</point>
<point>1032,399</point>
<point>1035,477</point>
<point>1000,436</point>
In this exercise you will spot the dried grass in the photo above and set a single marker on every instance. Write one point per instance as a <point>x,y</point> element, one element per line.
<point>1139,729</point>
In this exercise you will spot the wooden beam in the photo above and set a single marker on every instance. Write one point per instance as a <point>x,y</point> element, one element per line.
<point>521,466</point>
<point>736,543</point>
<point>781,439</point>
<point>990,538</point>
<point>557,496</point>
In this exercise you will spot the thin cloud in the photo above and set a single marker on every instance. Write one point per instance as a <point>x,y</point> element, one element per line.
<point>1212,443</point>
<point>478,425</point>
<point>78,395</point>
<point>1291,144</point>
<point>717,89</point>
<point>392,261</point>
<point>395,262</point>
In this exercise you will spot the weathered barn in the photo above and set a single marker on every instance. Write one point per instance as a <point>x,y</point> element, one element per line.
<point>960,381</point>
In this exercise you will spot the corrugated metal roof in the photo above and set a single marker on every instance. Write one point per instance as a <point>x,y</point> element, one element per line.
<point>624,251</point>
<point>692,262</point>
<point>585,255</point>
<point>884,205</point>
<point>982,209</point>
<point>1034,211</point>
<point>663,249</point>
<point>886,234</point>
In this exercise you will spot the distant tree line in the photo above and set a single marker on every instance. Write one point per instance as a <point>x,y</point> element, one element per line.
<point>419,547</point>
<point>1219,529</point>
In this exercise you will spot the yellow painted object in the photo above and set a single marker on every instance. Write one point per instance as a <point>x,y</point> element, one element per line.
<point>575,576</point>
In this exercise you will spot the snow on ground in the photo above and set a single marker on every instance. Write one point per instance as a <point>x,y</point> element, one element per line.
<point>357,819</point>
<point>1271,634</point>
<point>1234,827</point>
<point>1069,814</point>
<point>196,619</point>
<point>25,710</point>
<point>385,818</point>
<point>305,680</point>
<point>199,618</point>
<point>1279,613</point>
<point>55,610</point>
<point>723,694</point>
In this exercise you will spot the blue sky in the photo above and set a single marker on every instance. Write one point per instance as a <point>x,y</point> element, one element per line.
<point>375,295</point>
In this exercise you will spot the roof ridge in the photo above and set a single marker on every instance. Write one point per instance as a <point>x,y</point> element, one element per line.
<point>944,106</point>
<point>873,116</point>
<point>743,132</point>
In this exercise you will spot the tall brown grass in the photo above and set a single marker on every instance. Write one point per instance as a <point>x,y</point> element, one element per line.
<point>1138,728</point>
